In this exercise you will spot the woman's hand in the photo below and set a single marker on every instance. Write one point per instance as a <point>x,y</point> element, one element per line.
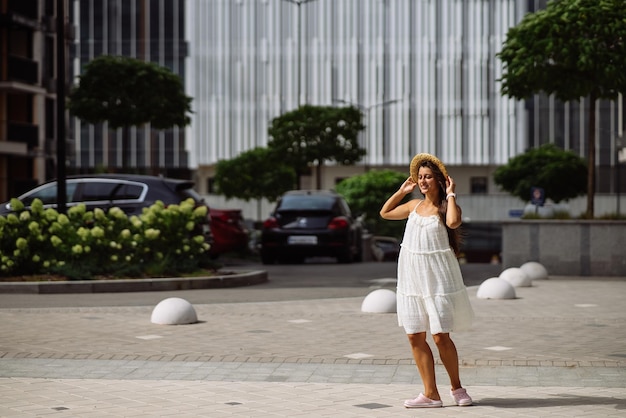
<point>408,186</point>
<point>453,212</point>
<point>392,209</point>
<point>450,185</point>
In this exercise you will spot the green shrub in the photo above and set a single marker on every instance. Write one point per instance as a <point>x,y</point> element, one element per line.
<point>613,216</point>
<point>84,244</point>
<point>366,193</point>
<point>557,214</point>
<point>561,214</point>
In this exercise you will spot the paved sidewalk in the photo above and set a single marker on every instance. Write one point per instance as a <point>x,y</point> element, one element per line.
<point>557,350</point>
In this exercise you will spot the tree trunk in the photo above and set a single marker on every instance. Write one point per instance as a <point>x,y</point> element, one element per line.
<point>298,184</point>
<point>125,148</point>
<point>591,162</point>
<point>318,174</point>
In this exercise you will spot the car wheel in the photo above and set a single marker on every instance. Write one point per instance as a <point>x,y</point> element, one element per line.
<point>345,257</point>
<point>268,259</point>
<point>358,256</point>
<point>292,259</point>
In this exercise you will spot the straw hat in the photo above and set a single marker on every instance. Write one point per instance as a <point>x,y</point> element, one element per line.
<point>419,159</point>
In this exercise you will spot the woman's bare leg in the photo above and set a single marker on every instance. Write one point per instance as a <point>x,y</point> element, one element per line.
<point>423,356</point>
<point>449,358</point>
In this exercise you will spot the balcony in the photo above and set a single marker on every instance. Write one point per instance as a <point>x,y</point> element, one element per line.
<point>14,19</point>
<point>25,133</point>
<point>27,9</point>
<point>23,70</point>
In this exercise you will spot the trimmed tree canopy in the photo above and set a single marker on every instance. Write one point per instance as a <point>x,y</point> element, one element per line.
<point>562,174</point>
<point>128,92</point>
<point>315,134</point>
<point>572,49</point>
<point>254,174</point>
<point>366,194</point>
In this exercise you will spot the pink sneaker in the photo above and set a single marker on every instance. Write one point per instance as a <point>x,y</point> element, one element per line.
<point>422,402</point>
<point>460,397</point>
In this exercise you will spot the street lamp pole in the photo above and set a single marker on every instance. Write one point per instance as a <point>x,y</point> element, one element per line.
<point>299,3</point>
<point>368,109</point>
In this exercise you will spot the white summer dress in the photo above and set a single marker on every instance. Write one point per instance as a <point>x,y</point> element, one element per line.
<point>431,295</point>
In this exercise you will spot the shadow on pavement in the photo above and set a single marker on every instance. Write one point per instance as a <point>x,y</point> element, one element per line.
<point>558,400</point>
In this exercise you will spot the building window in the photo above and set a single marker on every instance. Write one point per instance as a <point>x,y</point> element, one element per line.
<point>478,185</point>
<point>210,185</point>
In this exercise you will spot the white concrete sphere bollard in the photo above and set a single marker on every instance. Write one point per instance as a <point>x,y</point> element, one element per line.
<point>380,301</point>
<point>535,270</point>
<point>496,288</point>
<point>516,277</point>
<point>174,311</point>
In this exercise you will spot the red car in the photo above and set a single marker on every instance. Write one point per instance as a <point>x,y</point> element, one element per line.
<point>229,232</point>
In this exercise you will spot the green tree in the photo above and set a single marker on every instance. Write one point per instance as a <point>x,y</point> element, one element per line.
<point>562,174</point>
<point>366,194</point>
<point>127,92</point>
<point>316,134</point>
<point>254,174</point>
<point>572,49</point>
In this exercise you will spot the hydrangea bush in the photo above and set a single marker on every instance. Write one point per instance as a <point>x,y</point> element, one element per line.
<point>82,244</point>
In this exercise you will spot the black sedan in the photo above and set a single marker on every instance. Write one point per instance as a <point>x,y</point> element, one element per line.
<point>311,223</point>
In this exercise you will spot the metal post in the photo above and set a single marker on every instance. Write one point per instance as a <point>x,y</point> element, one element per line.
<point>619,143</point>
<point>618,186</point>
<point>60,44</point>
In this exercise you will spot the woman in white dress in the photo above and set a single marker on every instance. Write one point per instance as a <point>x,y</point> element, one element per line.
<point>431,294</point>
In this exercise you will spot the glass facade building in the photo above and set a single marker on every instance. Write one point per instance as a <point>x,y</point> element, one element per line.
<point>425,72</point>
<point>149,30</point>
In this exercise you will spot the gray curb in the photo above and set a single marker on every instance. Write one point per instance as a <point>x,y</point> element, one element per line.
<point>230,279</point>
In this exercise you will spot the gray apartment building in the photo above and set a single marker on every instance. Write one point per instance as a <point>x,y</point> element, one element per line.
<point>28,78</point>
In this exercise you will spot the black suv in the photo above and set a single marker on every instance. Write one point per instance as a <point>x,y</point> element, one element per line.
<point>129,192</point>
<point>311,223</point>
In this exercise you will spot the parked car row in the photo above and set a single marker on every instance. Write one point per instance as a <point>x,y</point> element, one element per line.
<point>230,234</point>
<point>224,228</point>
<point>303,223</point>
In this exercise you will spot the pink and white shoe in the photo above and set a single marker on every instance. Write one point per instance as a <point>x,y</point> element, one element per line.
<point>460,397</point>
<point>422,402</point>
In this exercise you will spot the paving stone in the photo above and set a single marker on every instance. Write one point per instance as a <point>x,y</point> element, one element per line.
<point>565,356</point>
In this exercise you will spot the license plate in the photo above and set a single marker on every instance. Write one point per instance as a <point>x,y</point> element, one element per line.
<point>302,240</point>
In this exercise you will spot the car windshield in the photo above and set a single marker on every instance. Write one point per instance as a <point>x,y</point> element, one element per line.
<point>300,202</point>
